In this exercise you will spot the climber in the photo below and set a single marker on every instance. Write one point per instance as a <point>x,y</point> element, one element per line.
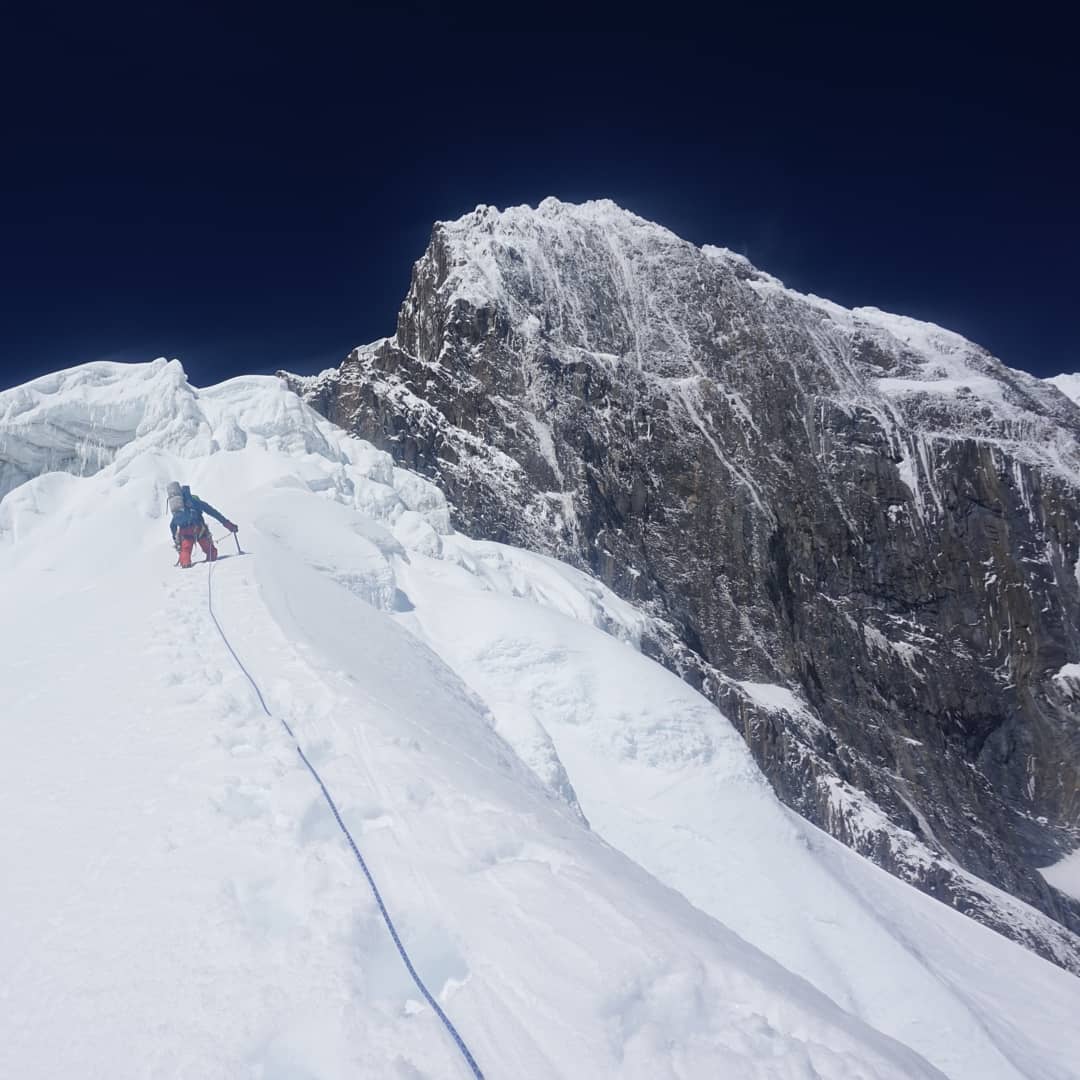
<point>187,523</point>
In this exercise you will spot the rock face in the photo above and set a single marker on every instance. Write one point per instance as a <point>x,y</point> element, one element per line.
<point>857,533</point>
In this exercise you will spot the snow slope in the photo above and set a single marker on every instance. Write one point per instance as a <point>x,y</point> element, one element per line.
<point>176,900</point>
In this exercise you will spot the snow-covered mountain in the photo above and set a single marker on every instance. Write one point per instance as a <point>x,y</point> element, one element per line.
<point>869,511</point>
<point>589,870</point>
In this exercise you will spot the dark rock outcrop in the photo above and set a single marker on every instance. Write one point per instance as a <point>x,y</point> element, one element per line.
<point>868,511</point>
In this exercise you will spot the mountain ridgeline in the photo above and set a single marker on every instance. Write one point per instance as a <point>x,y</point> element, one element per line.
<point>857,533</point>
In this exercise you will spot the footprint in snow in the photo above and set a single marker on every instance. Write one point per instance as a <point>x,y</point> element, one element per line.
<point>406,1070</point>
<point>419,792</point>
<point>318,822</point>
<point>243,801</point>
<point>238,742</point>
<point>317,826</point>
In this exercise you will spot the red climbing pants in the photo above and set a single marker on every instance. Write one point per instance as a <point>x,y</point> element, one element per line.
<point>187,535</point>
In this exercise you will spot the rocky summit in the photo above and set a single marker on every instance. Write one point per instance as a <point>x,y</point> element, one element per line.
<point>857,533</point>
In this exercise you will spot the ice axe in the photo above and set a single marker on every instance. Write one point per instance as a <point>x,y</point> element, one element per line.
<point>239,550</point>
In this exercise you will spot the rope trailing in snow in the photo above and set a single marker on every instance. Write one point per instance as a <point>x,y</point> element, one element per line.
<point>447,1023</point>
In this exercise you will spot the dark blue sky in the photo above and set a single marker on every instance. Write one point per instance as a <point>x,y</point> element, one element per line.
<point>247,186</point>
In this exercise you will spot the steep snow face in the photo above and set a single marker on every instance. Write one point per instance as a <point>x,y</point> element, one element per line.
<point>868,511</point>
<point>177,899</point>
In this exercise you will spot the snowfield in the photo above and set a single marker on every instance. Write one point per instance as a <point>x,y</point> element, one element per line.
<point>582,859</point>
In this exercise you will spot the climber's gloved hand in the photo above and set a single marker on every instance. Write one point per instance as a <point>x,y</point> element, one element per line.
<point>231,527</point>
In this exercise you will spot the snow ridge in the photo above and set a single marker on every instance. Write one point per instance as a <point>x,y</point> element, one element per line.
<point>180,900</point>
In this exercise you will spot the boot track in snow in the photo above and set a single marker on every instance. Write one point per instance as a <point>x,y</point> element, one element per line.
<point>402,952</point>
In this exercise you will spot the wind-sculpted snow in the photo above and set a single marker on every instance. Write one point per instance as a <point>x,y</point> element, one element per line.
<point>177,900</point>
<point>1069,385</point>
<point>868,511</point>
<point>76,421</point>
<point>80,420</point>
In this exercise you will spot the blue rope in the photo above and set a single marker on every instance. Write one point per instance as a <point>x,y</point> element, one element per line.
<point>447,1023</point>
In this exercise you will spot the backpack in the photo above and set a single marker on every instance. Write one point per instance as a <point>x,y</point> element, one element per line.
<point>181,506</point>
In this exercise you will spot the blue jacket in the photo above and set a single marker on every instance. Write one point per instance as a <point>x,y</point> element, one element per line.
<point>192,513</point>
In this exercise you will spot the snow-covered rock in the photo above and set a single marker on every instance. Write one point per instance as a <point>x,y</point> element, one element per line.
<point>177,900</point>
<point>865,510</point>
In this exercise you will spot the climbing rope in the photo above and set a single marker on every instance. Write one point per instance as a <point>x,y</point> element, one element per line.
<point>447,1023</point>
